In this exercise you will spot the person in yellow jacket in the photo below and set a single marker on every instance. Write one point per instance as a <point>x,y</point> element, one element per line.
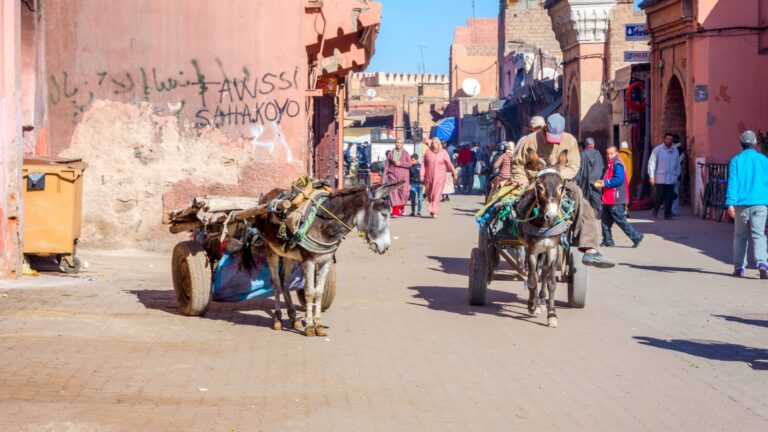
<point>625,154</point>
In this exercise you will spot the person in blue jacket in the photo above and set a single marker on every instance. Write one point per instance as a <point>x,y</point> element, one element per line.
<point>747,201</point>
<point>364,155</point>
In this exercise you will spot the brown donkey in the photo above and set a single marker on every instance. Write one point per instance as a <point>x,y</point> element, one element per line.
<point>541,235</point>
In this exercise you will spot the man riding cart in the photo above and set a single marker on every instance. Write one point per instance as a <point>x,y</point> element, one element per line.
<point>546,145</point>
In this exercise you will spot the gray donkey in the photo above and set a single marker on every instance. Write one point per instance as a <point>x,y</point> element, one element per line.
<point>357,207</point>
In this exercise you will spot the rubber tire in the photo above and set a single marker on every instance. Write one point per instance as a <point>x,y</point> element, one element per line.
<point>482,238</point>
<point>191,269</point>
<point>483,242</point>
<point>478,282</point>
<point>329,293</point>
<point>578,279</point>
<point>494,262</point>
<point>64,266</point>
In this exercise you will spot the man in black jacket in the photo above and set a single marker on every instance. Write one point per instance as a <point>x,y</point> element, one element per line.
<point>591,170</point>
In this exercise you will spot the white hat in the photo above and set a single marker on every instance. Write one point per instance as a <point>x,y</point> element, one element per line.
<point>624,144</point>
<point>510,146</point>
<point>538,121</point>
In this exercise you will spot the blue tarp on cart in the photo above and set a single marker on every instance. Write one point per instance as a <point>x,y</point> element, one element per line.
<point>445,129</point>
<point>233,282</point>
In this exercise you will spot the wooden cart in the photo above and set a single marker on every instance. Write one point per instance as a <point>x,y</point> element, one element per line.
<point>214,222</point>
<point>494,244</point>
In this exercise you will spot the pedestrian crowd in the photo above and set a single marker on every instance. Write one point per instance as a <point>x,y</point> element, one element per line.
<point>442,169</point>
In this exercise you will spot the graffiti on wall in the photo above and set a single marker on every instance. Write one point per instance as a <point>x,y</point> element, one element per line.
<point>258,100</point>
<point>259,139</point>
<point>247,99</point>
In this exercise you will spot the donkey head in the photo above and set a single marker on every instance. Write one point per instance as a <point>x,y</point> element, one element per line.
<point>550,187</point>
<point>374,220</point>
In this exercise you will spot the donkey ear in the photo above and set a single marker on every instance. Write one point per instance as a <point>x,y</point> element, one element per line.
<point>383,191</point>
<point>532,155</point>
<point>524,202</point>
<point>562,159</point>
<point>536,162</point>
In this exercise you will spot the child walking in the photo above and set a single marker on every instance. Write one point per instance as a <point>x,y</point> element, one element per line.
<point>417,188</point>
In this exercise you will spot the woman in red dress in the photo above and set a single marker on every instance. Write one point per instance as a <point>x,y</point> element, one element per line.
<point>433,173</point>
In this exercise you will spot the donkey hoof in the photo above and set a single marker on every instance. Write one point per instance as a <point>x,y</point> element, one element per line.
<point>277,325</point>
<point>320,330</point>
<point>297,325</point>
<point>532,310</point>
<point>552,322</point>
<point>309,331</point>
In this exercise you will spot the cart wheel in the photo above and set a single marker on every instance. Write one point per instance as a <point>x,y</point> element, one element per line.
<point>69,264</point>
<point>562,266</point>
<point>482,238</point>
<point>191,273</point>
<point>495,257</point>
<point>329,293</point>
<point>493,261</point>
<point>485,243</point>
<point>578,279</point>
<point>478,281</point>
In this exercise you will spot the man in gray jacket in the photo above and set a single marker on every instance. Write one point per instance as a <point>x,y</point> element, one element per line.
<point>591,170</point>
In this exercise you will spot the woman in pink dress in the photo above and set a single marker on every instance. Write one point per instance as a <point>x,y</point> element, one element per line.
<point>436,164</point>
<point>398,167</point>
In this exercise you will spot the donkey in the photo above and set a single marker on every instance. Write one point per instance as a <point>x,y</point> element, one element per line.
<point>541,235</point>
<point>357,207</point>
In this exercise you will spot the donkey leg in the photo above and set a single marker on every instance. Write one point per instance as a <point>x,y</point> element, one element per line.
<point>309,292</point>
<point>522,262</point>
<point>551,269</point>
<point>324,267</point>
<point>288,265</point>
<point>533,291</point>
<point>274,274</point>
